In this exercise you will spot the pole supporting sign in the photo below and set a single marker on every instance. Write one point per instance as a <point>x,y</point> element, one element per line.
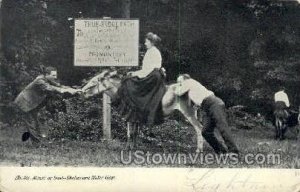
<point>106,42</point>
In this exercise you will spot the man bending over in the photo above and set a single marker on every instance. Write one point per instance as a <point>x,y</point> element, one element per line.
<point>34,97</point>
<point>214,115</point>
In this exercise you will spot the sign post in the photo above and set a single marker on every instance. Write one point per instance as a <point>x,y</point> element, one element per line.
<point>106,116</point>
<point>106,43</point>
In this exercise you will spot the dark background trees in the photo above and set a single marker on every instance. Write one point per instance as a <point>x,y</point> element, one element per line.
<point>243,50</point>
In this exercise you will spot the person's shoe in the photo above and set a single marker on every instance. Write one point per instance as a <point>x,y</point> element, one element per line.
<point>25,136</point>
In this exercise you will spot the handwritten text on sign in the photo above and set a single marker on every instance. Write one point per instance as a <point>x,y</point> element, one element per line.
<point>106,42</point>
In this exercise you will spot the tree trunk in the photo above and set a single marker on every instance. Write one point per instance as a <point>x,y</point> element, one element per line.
<point>126,8</point>
<point>0,24</point>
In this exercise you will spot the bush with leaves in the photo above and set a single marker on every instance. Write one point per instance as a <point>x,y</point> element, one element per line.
<point>82,121</point>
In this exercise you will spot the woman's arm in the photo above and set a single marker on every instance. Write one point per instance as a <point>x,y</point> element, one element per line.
<point>152,60</point>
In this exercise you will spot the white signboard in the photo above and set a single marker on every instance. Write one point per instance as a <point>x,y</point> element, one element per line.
<point>106,42</point>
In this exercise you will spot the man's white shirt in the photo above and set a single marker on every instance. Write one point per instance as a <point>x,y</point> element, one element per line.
<point>197,92</point>
<point>282,96</point>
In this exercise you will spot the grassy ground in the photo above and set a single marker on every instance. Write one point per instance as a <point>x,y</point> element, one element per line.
<point>169,138</point>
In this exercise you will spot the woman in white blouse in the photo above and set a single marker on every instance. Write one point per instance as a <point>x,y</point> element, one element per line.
<point>141,92</point>
<point>152,58</point>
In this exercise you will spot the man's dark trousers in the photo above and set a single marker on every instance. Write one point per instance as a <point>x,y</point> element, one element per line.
<point>214,116</point>
<point>32,123</point>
